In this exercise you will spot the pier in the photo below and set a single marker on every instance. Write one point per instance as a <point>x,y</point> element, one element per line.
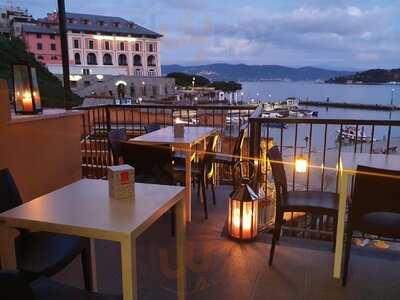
<point>350,105</point>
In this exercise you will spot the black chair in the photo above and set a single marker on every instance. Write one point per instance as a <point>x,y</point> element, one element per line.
<point>153,164</point>
<point>115,137</point>
<point>375,207</point>
<point>203,172</point>
<point>313,202</point>
<point>151,127</point>
<point>41,253</point>
<point>14,287</point>
<point>230,160</point>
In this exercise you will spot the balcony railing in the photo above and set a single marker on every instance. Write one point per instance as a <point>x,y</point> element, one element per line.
<point>314,139</point>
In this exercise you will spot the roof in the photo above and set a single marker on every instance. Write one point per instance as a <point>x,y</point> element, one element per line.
<point>108,26</point>
<point>39,29</point>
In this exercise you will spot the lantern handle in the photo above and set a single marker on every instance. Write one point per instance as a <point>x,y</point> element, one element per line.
<point>239,166</point>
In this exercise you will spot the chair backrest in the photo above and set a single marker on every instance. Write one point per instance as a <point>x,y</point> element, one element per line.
<point>153,164</point>
<point>151,127</point>
<point>115,137</point>
<point>211,148</point>
<point>237,148</point>
<point>279,174</point>
<point>13,286</point>
<point>9,195</point>
<point>375,190</point>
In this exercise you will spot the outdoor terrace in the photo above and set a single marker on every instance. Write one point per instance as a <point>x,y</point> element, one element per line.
<point>218,267</point>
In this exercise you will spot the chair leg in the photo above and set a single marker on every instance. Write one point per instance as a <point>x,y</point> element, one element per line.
<point>275,237</point>
<point>347,251</point>
<point>334,233</point>
<point>173,222</point>
<point>213,192</point>
<point>203,192</point>
<point>86,258</point>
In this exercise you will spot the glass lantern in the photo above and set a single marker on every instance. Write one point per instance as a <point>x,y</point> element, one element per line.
<point>26,90</point>
<point>243,212</point>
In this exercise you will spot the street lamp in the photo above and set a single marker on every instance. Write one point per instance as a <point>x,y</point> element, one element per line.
<point>193,81</point>
<point>392,97</point>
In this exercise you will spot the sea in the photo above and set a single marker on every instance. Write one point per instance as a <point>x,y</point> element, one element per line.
<point>274,91</point>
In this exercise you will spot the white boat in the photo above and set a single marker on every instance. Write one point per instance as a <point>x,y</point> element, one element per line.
<point>350,133</point>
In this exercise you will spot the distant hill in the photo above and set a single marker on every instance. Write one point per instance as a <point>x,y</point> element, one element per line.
<point>242,72</point>
<point>373,76</point>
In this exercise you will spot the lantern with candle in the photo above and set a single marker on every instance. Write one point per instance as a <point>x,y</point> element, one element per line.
<point>26,90</point>
<point>243,207</point>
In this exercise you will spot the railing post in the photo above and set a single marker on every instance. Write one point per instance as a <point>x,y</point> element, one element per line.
<point>108,119</point>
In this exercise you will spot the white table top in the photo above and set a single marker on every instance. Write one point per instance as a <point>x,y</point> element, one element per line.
<point>192,136</point>
<point>84,208</point>
<point>350,161</point>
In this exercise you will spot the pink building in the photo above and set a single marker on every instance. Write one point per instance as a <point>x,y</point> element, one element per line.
<point>98,45</point>
<point>44,43</point>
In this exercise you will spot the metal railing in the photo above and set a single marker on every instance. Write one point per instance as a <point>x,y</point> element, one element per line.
<point>320,142</point>
<point>97,121</point>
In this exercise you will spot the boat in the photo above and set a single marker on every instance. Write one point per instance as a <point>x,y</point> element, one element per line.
<point>350,133</point>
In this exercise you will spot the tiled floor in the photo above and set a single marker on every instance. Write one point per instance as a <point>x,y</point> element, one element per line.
<point>219,268</point>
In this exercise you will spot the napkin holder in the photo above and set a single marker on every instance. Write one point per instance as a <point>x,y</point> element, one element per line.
<point>121,182</point>
<point>179,130</point>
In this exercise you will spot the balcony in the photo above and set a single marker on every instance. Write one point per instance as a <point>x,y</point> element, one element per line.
<point>217,266</point>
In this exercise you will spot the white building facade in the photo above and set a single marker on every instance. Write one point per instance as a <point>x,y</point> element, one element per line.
<point>102,45</point>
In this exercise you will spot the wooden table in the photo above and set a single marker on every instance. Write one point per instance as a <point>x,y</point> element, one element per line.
<point>193,136</point>
<point>347,167</point>
<point>85,209</point>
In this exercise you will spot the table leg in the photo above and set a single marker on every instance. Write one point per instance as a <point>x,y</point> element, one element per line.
<point>8,257</point>
<point>188,183</point>
<point>128,262</point>
<point>343,188</point>
<point>180,247</point>
<point>93,264</point>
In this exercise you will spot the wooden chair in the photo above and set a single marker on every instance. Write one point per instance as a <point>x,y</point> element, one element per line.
<point>375,207</point>
<point>151,127</point>
<point>115,137</point>
<point>13,286</point>
<point>40,253</point>
<point>313,202</point>
<point>230,160</point>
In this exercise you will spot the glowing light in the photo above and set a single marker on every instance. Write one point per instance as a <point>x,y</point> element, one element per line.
<point>27,101</point>
<point>99,77</point>
<point>121,82</point>
<point>301,165</point>
<point>179,121</point>
<point>75,77</point>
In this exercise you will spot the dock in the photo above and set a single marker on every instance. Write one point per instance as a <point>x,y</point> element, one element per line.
<point>350,105</point>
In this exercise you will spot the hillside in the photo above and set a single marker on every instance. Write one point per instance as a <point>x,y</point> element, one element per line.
<point>373,76</point>
<point>51,91</point>
<point>242,72</point>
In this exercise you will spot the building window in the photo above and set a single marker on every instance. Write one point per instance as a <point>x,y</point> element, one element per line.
<point>39,46</point>
<point>86,21</point>
<point>91,59</point>
<point>121,46</point>
<point>137,47</point>
<point>53,47</point>
<point>138,72</point>
<point>76,44</point>
<point>53,58</point>
<point>152,73</point>
<point>77,57</point>
<point>137,60</point>
<point>52,37</point>
<point>40,57</point>
<point>122,61</point>
<point>151,48</point>
<point>86,71</point>
<point>116,24</point>
<point>107,59</point>
<point>91,44</point>
<point>86,83</point>
<point>101,23</point>
<point>151,61</point>
<point>107,45</point>
<point>38,35</point>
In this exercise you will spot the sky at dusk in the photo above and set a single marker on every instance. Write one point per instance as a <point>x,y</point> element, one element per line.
<point>342,33</point>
